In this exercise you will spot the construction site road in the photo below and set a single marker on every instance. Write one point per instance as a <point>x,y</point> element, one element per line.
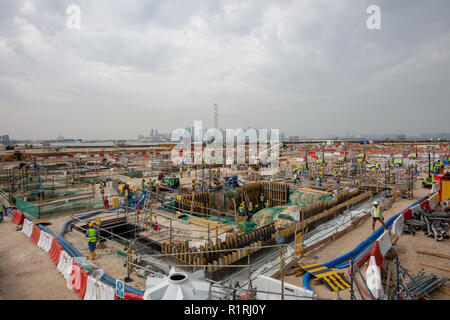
<point>27,272</point>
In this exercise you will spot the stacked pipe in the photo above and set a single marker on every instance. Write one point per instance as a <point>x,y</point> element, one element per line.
<point>433,223</point>
<point>422,282</point>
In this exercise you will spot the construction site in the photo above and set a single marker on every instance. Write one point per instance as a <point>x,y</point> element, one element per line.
<point>232,154</point>
<point>231,232</point>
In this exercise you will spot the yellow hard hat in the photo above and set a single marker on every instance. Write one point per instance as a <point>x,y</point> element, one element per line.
<point>251,203</point>
<point>91,224</point>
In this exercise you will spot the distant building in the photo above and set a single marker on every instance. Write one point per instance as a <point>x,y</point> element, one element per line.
<point>4,139</point>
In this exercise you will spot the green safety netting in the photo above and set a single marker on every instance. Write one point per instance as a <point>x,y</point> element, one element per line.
<point>28,208</point>
<point>297,199</point>
<point>61,207</point>
<point>51,194</point>
<point>72,206</point>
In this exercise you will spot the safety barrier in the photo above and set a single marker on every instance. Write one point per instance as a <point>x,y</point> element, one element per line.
<point>361,249</point>
<point>35,234</point>
<point>78,280</point>
<point>45,241</point>
<point>61,253</point>
<point>27,227</point>
<point>97,290</point>
<point>65,264</point>
<point>55,251</point>
<point>18,217</point>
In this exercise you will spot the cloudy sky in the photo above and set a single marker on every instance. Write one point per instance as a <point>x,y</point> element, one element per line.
<point>307,67</point>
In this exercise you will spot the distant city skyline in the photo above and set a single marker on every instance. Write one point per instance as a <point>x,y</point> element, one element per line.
<point>308,68</point>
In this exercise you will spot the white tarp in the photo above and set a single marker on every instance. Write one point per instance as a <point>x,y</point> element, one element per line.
<point>373,279</point>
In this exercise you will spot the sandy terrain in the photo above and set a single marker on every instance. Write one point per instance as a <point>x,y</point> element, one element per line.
<point>405,246</point>
<point>27,272</point>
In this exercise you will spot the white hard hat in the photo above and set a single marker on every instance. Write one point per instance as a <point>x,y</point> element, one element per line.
<point>375,203</point>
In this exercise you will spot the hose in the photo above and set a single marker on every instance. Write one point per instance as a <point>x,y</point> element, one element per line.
<point>342,261</point>
<point>107,279</point>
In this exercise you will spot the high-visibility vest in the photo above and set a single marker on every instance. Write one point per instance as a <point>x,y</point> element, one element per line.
<point>241,209</point>
<point>261,198</point>
<point>375,212</point>
<point>250,207</point>
<point>92,235</point>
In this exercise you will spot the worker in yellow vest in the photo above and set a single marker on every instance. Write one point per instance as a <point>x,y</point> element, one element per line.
<point>267,204</point>
<point>91,235</point>
<point>376,215</point>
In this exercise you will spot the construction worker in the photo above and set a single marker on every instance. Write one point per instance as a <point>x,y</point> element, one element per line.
<point>267,204</point>
<point>262,199</point>
<point>250,211</point>
<point>319,179</point>
<point>203,185</point>
<point>171,184</point>
<point>376,215</point>
<point>256,207</point>
<point>91,235</point>
<point>338,180</point>
<point>296,178</point>
<point>377,166</point>
<point>153,185</point>
<point>242,209</point>
<point>102,189</point>
<point>189,172</point>
<point>143,184</point>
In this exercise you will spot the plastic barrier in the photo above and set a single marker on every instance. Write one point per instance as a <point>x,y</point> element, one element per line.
<point>434,200</point>
<point>425,205</point>
<point>27,227</point>
<point>373,276</point>
<point>35,234</point>
<point>65,264</point>
<point>96,290</point>
<point>384,242</point>
<point>399,224</point>
<point>356,253</point>
<point>18,217</point>
<point>78,280</point>
<point>45,241</point>
<point>55,251</point>
<point>133,296</point>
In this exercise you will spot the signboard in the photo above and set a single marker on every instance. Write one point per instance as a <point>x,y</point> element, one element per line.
<point>280,240</point>
<point>120,288</point>
<point>298,244</point>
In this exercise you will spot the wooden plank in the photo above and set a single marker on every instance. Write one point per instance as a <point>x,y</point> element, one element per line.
<point>435,267</point>
<point>445,290</point>
<point>434,254</point>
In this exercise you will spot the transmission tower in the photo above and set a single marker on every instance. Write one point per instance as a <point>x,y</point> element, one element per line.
<point>216,116</point>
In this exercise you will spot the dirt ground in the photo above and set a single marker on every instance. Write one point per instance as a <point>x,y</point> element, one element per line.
<point>27,272</point>
<point>405,246</point>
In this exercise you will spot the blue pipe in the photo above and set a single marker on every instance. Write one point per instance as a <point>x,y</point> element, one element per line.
<point>343,261</point>
<point>73,252</point>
